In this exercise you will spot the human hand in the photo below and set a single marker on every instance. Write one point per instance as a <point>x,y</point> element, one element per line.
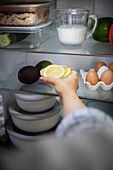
<point>64,86</point>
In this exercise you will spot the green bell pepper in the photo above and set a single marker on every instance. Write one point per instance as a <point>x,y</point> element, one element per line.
<point>102,30</point>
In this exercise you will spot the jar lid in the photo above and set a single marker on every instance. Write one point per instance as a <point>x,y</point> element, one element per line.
<point>26,136</point>
<point>16,112</point>
<point>39,87</point>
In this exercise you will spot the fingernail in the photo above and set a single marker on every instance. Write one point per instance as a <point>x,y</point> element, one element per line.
<point>42,78</point>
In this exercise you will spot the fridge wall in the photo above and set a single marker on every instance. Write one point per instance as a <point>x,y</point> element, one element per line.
<point>101,8</point>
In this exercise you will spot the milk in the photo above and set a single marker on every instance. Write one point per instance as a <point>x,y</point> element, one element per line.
<point>72,35</point>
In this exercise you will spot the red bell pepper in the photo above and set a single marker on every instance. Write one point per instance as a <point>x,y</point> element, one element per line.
<point>111,35</point>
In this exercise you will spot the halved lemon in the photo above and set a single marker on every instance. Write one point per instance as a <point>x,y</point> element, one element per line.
<point>67,72</point>
<point>64,66</point>
<point>54,71</point>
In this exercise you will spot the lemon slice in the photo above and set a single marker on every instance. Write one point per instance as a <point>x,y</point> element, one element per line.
<point>64,66</point>
<point>54,71</point>
<point>67,72</point>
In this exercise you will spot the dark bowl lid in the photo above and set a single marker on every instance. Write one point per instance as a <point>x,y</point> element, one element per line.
<point>18,113</point>
<point>26,136</point>
<point>38,87</point>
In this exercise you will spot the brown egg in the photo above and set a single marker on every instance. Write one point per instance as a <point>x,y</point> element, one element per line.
<point>98,65</point>
<point>107,77</point>
<point>111,66</point>
<point>92,77</point>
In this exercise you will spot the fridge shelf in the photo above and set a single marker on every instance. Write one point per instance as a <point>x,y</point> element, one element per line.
<point>9,86</point>
<point>89,47</point>
<point>53,46</point>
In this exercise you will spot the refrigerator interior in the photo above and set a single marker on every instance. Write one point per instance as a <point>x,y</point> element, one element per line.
<point>12,61</point>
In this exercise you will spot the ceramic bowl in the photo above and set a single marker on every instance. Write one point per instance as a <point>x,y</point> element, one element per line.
<point>30,122</point>
<point>33,102</point>
<point>28,141</point>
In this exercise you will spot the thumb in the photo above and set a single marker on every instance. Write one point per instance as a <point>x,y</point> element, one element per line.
<point>48,80</point>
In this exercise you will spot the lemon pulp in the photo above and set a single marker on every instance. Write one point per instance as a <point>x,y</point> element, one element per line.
<point>54,71</point>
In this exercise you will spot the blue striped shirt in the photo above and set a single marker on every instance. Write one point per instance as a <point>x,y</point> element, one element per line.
<point>84,120</point>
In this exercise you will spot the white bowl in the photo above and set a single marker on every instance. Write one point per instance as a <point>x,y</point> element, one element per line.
<point>34,102</point>
<point>28,141</point>
<point>30,122</point>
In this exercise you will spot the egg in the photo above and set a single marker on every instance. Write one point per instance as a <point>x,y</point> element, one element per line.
<point>102,70</point>
<point>111,66</point>
<point>92,77</point>
<point>98,65</point>
<point>107,77</point>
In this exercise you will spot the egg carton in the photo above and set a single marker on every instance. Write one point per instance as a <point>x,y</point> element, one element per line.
<point>95,87</point>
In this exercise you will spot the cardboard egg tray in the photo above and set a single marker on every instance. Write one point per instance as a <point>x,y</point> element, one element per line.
<point>95,87</point>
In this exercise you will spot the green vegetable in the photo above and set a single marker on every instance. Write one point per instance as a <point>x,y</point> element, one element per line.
<point>102,30</point>
<point>42,64</point>
<point>5,40</point>
<point>8,38</point>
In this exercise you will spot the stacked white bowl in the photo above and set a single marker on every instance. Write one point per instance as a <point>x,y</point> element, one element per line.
<point>2,121</point>
<point>34,116</point>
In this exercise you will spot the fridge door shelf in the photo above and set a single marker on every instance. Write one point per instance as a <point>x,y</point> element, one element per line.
<point>98,95</point>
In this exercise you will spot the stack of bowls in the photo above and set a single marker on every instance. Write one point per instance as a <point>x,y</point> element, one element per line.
<point>2,121</point>
<point>34,117</point>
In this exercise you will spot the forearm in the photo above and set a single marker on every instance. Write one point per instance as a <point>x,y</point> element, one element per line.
<point>71,102</point>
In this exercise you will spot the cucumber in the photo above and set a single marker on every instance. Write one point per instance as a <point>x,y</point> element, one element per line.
<point>8,38</point>
<point>4,40</point>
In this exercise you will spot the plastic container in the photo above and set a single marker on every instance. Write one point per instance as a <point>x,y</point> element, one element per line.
<point>33,102</point>
<point>28,141</point>
<point>25,37</point>
<point>24,14</point>
<point>30,122</point>
<point>99,84</point>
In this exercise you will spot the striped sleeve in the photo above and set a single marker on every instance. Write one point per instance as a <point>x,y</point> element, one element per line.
<point>84,120</point>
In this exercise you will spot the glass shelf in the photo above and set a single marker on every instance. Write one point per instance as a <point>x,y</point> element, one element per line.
<point>98,94</point>
<point>53,46</point>
<point>89,47</point>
